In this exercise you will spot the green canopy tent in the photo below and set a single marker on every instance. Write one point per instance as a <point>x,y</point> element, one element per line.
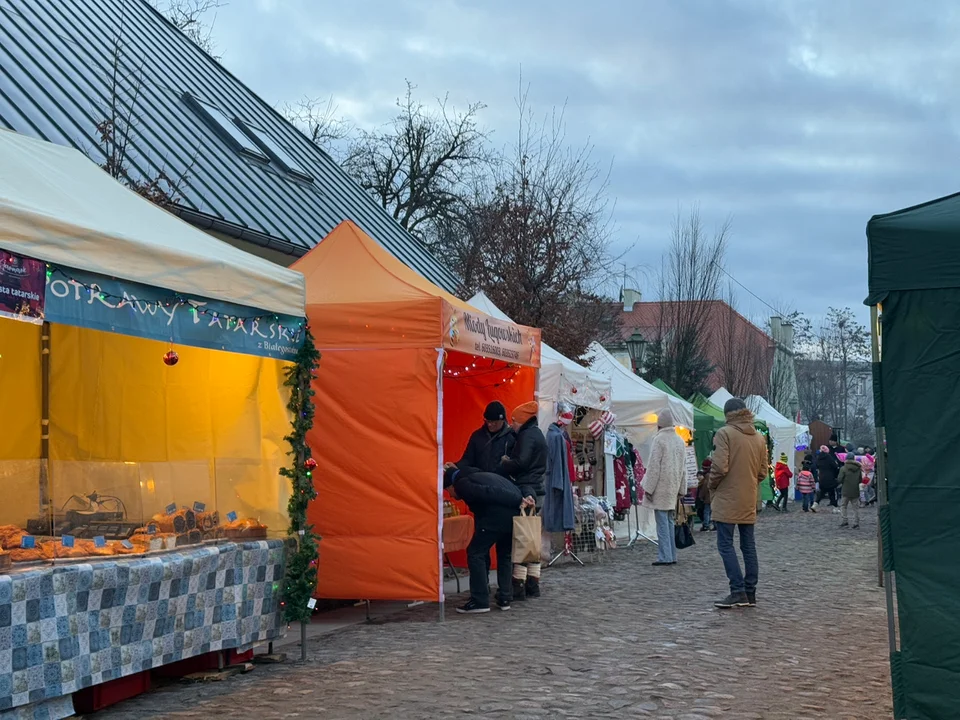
<point>704,425</point>
<point>701,403</point>
<point>914,283</point>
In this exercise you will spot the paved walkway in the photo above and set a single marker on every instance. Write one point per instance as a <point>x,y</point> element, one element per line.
<point>619,639</point>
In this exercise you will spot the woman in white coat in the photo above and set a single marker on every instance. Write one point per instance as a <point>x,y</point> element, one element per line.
<point>664,483</point>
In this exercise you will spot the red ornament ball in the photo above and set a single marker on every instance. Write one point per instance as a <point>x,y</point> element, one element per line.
<point>603,398</point>
<point>171,358</point>
<point>310,464</point>
<point>573,390</point>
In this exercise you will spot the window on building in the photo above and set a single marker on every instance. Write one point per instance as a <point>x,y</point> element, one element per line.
<point>226,127</point>
<point>276,151</point>
<point>861,386</point>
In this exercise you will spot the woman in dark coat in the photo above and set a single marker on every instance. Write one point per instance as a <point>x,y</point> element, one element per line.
<point>828,467</point>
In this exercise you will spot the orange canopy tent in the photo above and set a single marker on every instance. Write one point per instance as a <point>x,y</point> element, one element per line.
<point>407,369</point>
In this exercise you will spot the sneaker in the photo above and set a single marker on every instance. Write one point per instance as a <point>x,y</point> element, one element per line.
<point>751,599</point>
<point>813,509</point>
<point>472,607</point>
<point>733,600</point>
<point>844,524</point>
<point>503,604</point>
<point>854,527</point>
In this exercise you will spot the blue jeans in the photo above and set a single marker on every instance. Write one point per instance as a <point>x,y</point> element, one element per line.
<point>745,581</point>
<point>666,540</point>
<point>808,500</point>
<point>706,514</point>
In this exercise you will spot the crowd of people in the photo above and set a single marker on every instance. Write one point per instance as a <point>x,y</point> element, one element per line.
<point>511,467</point>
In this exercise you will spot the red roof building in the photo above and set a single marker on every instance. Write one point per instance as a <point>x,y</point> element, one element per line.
<point>741,353</point>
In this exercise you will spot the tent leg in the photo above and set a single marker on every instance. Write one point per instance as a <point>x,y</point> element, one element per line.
<point>884,577</point>
<point>46,502</point>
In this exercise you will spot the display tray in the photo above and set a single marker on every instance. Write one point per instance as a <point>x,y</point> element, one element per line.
<point>259,533</point>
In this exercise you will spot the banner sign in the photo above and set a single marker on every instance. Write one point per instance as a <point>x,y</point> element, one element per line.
<point>75,297</point>
<point>21,287</point>
<point>692,467</point>
<point>474,333</point>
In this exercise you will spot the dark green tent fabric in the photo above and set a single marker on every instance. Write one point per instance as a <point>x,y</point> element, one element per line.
<point>704,425</point>
<point>915,248</point>
<point>917,391</point>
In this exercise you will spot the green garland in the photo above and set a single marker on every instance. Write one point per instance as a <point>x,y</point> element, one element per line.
<point>301,576</point>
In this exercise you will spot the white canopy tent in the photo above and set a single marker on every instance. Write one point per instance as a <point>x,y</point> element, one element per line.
<point>720,397</point>
<point>56,205</point>
<point>637,403</point>
<point>783,430</point>
<point>561,379</point>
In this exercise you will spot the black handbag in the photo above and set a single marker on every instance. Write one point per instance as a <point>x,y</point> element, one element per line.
<point>682,534</point>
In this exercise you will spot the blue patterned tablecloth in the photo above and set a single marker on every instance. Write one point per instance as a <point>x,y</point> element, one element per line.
<point>69,627</point>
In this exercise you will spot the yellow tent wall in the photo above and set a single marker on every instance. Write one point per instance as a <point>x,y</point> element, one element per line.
<point>208,429</point>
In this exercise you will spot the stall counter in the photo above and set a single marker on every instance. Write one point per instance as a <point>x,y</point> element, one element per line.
<point>68,627</point>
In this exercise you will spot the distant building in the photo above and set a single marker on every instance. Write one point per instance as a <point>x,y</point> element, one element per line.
<point>740,354</point>
<point>246,175</point>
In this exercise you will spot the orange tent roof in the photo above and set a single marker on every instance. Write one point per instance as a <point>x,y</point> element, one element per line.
<point>348,266</point>
<point>359,295</point>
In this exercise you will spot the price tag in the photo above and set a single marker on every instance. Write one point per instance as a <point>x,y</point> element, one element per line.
<point>127,544</point>
<point>99,541</point>
<point>172,509</point>
<point>67,540</point>
<point>28,541</point>
<point>231,516</point>
<point>312,603</point>
<point>199,507</point>
<point>151,529</point>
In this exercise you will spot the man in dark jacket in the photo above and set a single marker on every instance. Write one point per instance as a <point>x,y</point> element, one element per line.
<point>489,443</point>
<point>494,501</point>
<point>828,466</point>
<point>527,467</point>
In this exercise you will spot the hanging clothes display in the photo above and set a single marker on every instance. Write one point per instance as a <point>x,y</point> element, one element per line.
<point>621,484</point>
<point>558,503</point>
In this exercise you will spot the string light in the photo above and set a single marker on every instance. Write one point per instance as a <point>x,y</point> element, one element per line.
<point>177,301</point>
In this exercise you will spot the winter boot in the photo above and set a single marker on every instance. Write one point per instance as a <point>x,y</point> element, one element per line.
<point>519,590</point>
<point>533,587</point>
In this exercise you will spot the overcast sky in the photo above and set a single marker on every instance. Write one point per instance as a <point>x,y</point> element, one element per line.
<point>799,120</point>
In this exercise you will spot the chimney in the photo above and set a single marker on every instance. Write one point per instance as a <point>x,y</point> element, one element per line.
<point>630,298</point>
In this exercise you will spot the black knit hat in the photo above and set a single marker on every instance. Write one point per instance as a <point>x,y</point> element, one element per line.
<point>495,411</point>
<point>733,405</point>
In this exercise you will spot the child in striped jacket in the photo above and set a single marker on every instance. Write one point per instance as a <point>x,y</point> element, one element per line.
<point>807,487</point>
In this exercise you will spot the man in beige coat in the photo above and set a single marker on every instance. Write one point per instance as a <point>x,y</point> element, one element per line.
<point>739,464</point>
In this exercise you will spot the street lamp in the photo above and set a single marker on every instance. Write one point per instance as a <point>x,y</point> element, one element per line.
<point>636,348</point>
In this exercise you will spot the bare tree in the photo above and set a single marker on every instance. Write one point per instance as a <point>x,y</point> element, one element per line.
<point>190,17</point>
<point>320,121</point>
<point>746,353</point>
<point>536,235</point>
<point>117,128</point>
<point>835,355</point>
<point>421,165</point>
<point>688,289</point>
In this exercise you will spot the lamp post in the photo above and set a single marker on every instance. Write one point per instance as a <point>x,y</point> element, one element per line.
<point>636,348</point>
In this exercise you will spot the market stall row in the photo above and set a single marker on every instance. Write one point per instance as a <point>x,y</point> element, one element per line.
<point>144,370</point>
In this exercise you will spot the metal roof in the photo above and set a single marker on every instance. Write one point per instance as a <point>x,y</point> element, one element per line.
<point>56,64</point>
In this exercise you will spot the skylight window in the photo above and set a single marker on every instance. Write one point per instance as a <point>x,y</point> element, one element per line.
<point>227,128</point>
<point>274,150</point>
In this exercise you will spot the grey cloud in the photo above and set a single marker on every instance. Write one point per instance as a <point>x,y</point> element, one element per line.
<point>799,119</point>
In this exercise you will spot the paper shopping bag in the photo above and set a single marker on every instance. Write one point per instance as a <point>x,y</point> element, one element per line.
<point>526,537</point>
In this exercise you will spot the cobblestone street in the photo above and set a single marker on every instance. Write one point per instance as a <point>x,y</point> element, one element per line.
<point>615,639</point>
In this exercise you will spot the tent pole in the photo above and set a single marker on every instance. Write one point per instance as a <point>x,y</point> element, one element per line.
<point>884,577</point>
<point>44,491</point>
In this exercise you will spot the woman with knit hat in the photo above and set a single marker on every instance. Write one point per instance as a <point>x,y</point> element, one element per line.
<point>526,465</point>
